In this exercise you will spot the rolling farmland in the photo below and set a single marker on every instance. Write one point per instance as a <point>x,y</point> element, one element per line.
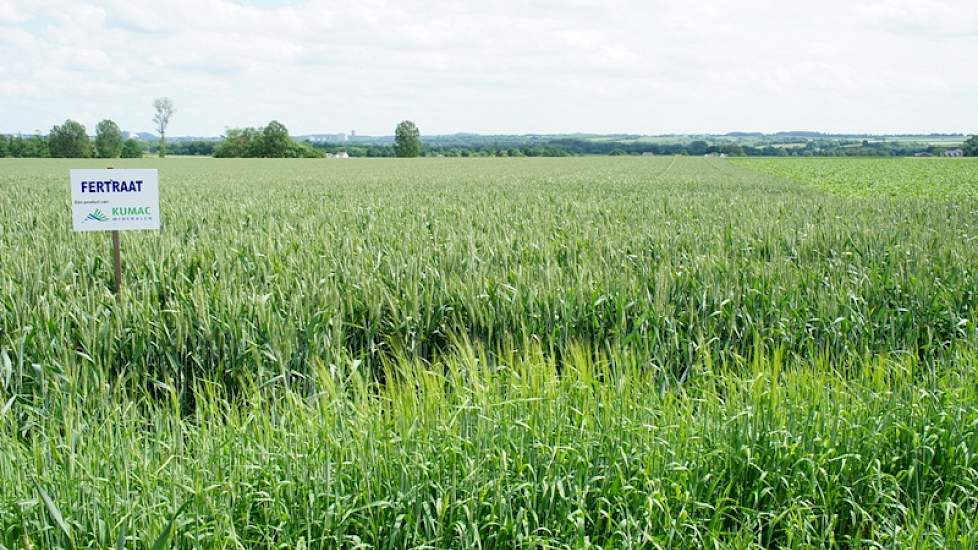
<point>620,352</point>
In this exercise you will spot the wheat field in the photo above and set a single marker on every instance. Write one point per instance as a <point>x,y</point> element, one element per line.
<point>544,353</point>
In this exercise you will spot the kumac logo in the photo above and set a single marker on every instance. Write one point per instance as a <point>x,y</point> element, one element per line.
<point>96,216</point>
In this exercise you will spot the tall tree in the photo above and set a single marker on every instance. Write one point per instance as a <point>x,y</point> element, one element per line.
<point>971,146</point>
<point>164,110</point>
<point>407,140</point>
<point>275,140</point>
<point>108,139</point>
<point>132,149</point>
<point>69,140</point>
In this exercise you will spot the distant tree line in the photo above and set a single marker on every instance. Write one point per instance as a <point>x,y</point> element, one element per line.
<point>196,147</point>
<point>24,146</point>
<point>70,140</point>
<point>563,147</point>
<point>273,141</point>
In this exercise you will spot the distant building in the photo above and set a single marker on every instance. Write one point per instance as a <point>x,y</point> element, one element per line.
<point>922,155</point>
<point>648,154</point>
<point>327,138</point>
<point>953,153</point>
<point>341,155</point>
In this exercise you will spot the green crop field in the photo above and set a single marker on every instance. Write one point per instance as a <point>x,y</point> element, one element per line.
<point>496,353</point>
<point>936,178</point>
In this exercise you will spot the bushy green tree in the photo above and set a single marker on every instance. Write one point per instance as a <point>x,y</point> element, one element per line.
<point>407,140</point>
<point>4,148</point>
<point>971,146</point>
<point>302,150</point>
<point>132,149</point>
<point>733,150</point>
<point>275,141</point>
<point>108,139</point>
<point>271,141</point>
<point>698,148</point>
<point>15,146</point>
<point>237,143</point>
<point>69,140</point>
<point>39,147</point>
<point>29,147</point>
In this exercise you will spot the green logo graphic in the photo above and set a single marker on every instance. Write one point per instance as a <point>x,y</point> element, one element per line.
<point>96,216</point>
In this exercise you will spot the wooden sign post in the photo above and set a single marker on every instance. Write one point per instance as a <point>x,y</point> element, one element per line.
<point>115,200</point>
<point>117,261</point>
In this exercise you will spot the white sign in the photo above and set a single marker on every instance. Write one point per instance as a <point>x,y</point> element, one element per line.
<point>108,200</point>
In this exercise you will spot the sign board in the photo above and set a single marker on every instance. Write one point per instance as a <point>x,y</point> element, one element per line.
<point>115,200</point>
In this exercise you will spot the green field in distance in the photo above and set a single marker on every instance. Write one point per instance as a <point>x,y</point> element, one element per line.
<point>937,178</point>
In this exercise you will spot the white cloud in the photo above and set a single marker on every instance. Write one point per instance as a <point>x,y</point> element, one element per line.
<point>10,13</point>
<point>644,66</point>
<point>923,19</point>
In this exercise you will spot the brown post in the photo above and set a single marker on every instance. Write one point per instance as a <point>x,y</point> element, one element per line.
<point>117,260</point>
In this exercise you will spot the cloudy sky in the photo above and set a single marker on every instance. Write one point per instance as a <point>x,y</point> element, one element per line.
<point>498,66</point>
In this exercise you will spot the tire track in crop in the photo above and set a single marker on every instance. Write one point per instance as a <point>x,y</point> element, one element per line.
<point>714,163</point>
<point>667,168</point>
<point>778,183</point>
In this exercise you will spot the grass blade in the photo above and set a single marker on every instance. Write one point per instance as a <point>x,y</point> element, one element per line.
<point>120,543</point>
<point>164,539</point>
<point>53,510</point>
